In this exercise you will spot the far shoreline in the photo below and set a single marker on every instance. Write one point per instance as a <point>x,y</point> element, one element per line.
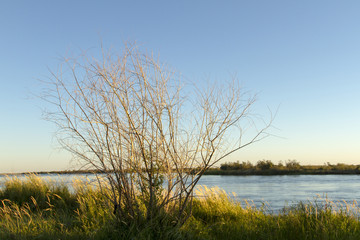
<point>275,171</point>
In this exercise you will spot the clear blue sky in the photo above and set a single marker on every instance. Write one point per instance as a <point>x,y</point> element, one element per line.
<point>303,56</point>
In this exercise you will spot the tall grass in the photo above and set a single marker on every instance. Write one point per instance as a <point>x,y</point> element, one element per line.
<point>37,209</point>
<point>217,216</point>
<point>38,193</point>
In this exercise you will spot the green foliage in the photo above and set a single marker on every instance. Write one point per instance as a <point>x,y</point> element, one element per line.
<point>292,164</point>
<point>236,166</point>
<point>266,167</point>
<point>264,164</point>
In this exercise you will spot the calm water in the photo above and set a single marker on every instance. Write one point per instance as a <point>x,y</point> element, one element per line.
<point>276,191</point>
<point>280,191</point>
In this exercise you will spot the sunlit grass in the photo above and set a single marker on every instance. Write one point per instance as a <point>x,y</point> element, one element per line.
<point>218,216</point>
<point>37,209</point>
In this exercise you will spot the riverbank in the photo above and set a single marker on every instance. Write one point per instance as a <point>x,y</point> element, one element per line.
<point>35,209</point>
<point>275,171</point>
<point>290,167</point>
<point>264,167</point>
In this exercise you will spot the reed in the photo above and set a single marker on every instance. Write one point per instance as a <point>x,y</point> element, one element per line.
<point>37,209</point>
<point>218,216</point>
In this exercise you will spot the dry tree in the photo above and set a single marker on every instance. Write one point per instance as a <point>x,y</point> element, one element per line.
<point>147,132</point>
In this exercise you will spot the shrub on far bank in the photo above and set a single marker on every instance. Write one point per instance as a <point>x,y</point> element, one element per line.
<point>264,164</point>
<point>237,166</point>
<point>292,164</point>
<point>267,167</point>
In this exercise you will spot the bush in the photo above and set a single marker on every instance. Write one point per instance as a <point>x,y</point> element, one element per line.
<point>236,166</point>
<point>264,164</point>
<point>292,164</point>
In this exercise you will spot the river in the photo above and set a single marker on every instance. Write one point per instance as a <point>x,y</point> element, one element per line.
<point>275,191</point>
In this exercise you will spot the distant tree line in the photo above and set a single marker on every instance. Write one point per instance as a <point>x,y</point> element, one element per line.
<point>267,167</point>
<point>260,165</point>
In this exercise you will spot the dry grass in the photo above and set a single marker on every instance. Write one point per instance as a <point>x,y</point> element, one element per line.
<point>38,209</point>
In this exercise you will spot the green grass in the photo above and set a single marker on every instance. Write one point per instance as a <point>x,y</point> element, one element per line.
<point>218,217</point>
<point>38,209</point>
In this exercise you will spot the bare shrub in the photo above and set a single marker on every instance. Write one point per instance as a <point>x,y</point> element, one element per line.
<point>145,130</point>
